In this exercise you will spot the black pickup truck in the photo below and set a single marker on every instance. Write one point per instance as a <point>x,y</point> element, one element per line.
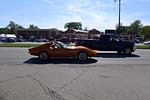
<point>108,43</point>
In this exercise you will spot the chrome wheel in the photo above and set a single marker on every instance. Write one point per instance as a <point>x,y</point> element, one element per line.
<point>82,56</point>
<point>43,56</point>
<point>127,51</point>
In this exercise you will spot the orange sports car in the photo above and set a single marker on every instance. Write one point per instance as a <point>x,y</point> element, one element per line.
<point>59,49</point>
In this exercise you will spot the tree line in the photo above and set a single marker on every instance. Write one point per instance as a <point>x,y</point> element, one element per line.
<point>12,26</point>
<point>135,28</point>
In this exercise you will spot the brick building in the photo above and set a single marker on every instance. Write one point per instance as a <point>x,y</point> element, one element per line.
<point>80,34</point>
<point>27,34</point>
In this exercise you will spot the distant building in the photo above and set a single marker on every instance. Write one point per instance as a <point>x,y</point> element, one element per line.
<point>80,34</point>
<point>27,34</point>
<point>73,33</point>
<point>94,33</point>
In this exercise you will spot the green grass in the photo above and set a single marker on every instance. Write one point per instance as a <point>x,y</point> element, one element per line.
<point>17,45</point>
<point>142,47</point>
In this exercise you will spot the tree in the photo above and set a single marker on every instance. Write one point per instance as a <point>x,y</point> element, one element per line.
<point>122,30</point>
<point>85,29</point>
<point>3,30</point>
<point>32,26</point>
<point>74,25</point>
<point>146,32</point>
<point>17,26</point>
<point>11,27</point>
<point>135,27</point>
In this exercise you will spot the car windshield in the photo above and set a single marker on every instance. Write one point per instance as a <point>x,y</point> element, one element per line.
<point>62,45</point>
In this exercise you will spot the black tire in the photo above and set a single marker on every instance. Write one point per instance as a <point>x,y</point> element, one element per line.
<point>128,51</point>
<point>43,55</point>
<point>82,56</point>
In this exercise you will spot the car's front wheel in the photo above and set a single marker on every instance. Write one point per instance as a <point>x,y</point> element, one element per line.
<point>82,56</point>
<point>43,55</point>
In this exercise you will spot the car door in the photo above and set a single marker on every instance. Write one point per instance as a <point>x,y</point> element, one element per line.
<point>57,52</point>
<point>106,44</point>
<point>62,52</point>
<point>116,45</point>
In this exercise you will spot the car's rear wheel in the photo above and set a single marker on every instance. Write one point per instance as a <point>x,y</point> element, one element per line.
<point>128,51</point>
<point>82,56</point>
<point>43,55</point>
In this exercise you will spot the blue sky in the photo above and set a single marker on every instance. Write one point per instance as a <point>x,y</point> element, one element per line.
<point>99,14</point>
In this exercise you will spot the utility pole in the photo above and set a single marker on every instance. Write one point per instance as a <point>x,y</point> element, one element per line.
<point>119,12</point>
<point>119,23</point>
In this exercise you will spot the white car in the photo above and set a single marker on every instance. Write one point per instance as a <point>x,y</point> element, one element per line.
<point>147,43</point>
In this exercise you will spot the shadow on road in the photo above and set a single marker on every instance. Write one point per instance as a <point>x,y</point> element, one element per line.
<point>59,61</point>
<point>115,55</point>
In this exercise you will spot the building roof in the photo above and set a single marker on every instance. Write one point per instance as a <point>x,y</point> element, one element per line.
<point>95,31</point>
<point>52,29</point>
<point>75,30</point>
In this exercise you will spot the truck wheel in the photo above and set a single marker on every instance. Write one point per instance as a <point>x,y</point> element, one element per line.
<point>43,55</point>
<point>128,51</point>
<point>82,56</point>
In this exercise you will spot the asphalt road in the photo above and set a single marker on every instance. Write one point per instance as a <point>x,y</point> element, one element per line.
<point>108,76</point>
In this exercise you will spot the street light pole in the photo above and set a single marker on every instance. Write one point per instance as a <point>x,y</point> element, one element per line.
<point>119,23</point>
<point>119,12</point>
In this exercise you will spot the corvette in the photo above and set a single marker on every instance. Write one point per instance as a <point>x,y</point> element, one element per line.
<point>59,49</point>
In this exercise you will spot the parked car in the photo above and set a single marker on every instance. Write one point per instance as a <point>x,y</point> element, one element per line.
<point>147,43</point>
<point>20,40</point>
<point>41,40</point>
<point>108,43</point>
<point>51,39</point>
<point>59,49</point>
<point>8,39</point>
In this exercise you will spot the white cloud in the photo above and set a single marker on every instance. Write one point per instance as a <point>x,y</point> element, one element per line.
<point>89,13</point>
<point>98,14</point>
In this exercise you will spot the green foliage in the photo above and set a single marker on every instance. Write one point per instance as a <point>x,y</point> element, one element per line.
<point>146,32</point>
<point>3,30</point>
<point>135,27</point>
<point>32,26</point>
<point>11,27</point>
<point>122,30</point>
<point>17,26</point>
<point>74,25</point>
